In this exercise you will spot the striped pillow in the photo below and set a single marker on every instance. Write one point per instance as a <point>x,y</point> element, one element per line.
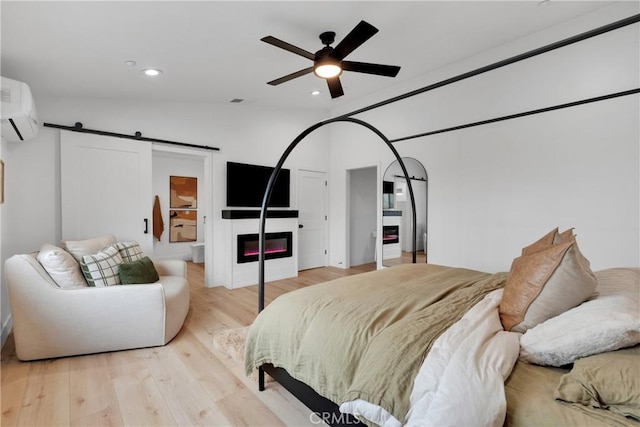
<point>130,251</point>
<point>102,269</point>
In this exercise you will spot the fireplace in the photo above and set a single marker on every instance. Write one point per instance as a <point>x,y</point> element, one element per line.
<point>390,234</point>
<point>276,245</point>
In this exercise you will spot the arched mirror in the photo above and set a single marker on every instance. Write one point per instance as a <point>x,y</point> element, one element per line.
<point>396,213</point>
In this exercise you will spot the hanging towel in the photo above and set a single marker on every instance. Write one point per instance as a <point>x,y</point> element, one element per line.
<point>158,224</point>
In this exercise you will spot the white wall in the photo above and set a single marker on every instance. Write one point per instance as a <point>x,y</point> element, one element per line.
<point>31,212</point>
<point>5,311</point>
<point>164,166</point>
<point>496,188</point>
<point>363,209</point>
<point>420,196</point>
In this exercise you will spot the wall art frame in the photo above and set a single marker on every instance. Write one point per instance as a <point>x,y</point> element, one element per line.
<point>183,225</point>
<point>183,192</point>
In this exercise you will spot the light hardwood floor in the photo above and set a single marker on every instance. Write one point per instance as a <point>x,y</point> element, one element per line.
<point>185,383</point>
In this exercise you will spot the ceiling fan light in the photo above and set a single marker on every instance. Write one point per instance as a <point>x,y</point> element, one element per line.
<point>327,70</point>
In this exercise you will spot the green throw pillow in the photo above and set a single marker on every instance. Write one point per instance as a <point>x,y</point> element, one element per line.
<point>138,272</point>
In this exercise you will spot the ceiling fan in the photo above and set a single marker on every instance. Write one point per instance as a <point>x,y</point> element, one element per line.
<point>328,62</point>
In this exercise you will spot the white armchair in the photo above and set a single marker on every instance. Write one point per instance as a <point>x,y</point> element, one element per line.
<point>52,322</point>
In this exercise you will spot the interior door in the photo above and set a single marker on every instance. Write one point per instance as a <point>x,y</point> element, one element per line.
<point>106,188</point>
<point>312,221</point>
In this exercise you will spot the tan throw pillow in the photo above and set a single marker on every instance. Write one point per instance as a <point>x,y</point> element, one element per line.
<point>565,236</point>
<point>545,284</point>
<point>543,243</point>
<point>80,248</point>
<point>63,269</point>
<point>549,239</point>
<point>608,381</point>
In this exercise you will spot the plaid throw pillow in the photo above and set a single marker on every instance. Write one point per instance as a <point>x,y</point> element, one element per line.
<point>130,251</point>
<point>102,268</point>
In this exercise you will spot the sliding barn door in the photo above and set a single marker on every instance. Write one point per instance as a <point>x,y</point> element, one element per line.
<point>106,188</point>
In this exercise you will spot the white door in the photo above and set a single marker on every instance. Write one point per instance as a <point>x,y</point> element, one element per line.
<point>106,188</point>
<point>312,221</point>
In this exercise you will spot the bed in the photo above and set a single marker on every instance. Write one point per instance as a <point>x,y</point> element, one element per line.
<point>547,343</point>
<point>414,343</point>
<point>531,391</point>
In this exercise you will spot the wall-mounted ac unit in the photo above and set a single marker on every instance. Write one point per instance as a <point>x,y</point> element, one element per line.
<point>18,113</point>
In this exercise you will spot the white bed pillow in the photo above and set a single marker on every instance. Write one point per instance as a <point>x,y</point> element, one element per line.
<point>608,321</point>
<point>80,248</point>
<point>63,269</point>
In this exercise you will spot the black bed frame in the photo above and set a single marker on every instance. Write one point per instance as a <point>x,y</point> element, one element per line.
<point>322,407</point>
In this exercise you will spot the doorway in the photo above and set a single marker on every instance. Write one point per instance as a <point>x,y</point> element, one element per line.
<point>362,215</point>
<point>176,161</point>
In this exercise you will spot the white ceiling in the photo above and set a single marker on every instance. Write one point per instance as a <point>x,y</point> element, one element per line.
<point>210,51</point>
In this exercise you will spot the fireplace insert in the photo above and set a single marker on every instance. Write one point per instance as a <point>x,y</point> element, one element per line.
<point>390,234</point>
<point>277,245</point>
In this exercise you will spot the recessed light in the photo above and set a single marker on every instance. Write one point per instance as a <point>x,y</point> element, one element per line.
<point>130,63</point>
<point>315,93</point>
<point>152,72</point>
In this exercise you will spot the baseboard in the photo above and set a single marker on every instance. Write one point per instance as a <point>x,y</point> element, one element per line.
<point>6,329</point>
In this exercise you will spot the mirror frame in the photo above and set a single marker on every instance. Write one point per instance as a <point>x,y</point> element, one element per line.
<point>412,165</point>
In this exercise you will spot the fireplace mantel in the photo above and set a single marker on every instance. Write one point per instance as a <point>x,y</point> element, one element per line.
<point>253,213</point>
<point>233,274</point>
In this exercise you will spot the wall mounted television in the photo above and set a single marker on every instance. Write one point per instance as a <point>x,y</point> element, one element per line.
<point>247,183</point>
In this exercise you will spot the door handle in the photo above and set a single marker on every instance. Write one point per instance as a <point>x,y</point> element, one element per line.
<point>300,226</point>
<point>146,226</point>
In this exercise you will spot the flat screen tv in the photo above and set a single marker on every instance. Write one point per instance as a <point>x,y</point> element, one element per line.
<point>246,185</point>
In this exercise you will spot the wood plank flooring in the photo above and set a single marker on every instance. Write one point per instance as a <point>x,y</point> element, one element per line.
<point>185,383</point>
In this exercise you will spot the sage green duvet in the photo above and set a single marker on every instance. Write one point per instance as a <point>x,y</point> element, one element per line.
<point>365,336</point>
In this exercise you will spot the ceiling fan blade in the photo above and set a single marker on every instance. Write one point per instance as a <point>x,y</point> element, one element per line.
<point>290,76</point>
<point>360,34</point>
<point>335,87</point>
<point>364,67</point>
<point>287,46</point>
